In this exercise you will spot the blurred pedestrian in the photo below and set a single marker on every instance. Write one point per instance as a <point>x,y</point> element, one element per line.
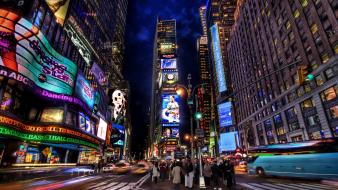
<point>155,172</point>
<point>189,175</point>
<point>176,173</point>
<point>163,170</point>
<point>207,173</point>
<point>215,173</point>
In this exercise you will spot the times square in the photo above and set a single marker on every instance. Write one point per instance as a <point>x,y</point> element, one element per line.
<point>169,94</point>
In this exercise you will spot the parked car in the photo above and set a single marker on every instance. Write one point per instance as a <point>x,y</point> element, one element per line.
<point>108,168</point>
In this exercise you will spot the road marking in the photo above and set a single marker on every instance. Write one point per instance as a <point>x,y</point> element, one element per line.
<point>250,186</point>
<point>322,186</point>
<point>273,186</point>
<point>142,180</point>
<point>290,187</point>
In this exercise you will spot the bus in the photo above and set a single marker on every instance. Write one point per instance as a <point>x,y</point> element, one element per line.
<point>317,159</point>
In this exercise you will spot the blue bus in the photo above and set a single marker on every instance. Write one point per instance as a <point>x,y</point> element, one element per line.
<point>316,159</point>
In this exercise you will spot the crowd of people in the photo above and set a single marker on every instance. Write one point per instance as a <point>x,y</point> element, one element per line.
<point>216,173</point>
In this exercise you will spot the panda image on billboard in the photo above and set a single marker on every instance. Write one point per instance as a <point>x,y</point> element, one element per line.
<point>118,101</point>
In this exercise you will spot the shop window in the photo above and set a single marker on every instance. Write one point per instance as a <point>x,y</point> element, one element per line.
<point>332,112</point>
<point>329,74</point>
<point>315,135</point>
<point>52,115</point>
<point>319,80</point>
<point>329,94</point>
<point>7,100</point>
<point>308,103</point>
<point>280,131</point>
<point>312,120</point>
<point>294,126</point>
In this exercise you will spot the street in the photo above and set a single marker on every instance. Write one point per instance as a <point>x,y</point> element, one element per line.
<point>107,181</point>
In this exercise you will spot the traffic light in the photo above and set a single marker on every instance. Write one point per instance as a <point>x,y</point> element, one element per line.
<point>198,115</point>
<point>304,74</point>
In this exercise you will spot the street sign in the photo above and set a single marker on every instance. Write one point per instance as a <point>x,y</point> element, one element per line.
<point>199,132</point>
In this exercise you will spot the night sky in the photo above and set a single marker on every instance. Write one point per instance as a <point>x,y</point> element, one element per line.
<point>140,33</point>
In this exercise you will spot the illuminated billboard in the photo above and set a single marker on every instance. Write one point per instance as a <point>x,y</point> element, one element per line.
<point>217,53</point>
<point>85,124</point>
<point>59,8</point>
<point>102,129</point>
<point>98,74</point>
<point>228,141</point>
<point>168,64</point>
<point>24,49</point>
<point>117,99</point>
<point>167,48</point>
<point>169,132</point>
<point>170,108</point>
<point>84,90</point>
<point>224,113</point>
<point>169,77</point>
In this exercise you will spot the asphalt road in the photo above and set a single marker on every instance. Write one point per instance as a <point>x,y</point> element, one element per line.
<point>143,182</point>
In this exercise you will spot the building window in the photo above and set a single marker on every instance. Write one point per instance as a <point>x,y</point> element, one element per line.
<point>325,57</point>
<point>308,103</point>
<point>314,28</point>
<point>269,131</point>
<point>332,112</point>
<point>290,113</point>
<point>296,14</point>
<point>329,74</point>
<point>294,126</point>
<point>319,80</point>
<point>304,3</point>
<point>329,94</point>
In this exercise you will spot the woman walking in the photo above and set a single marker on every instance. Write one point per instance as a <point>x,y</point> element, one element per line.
<point>176,174</point>
<point>207,174</point>
<point>155,173</point>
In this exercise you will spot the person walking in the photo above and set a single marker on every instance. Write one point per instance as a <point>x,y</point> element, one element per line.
<point>228,174</point>
<point>176,174</point>
<point>163,171</point>
<point>207,173</point>
<point>215,174</point>
<point>189,175</point>
<point>155,172</point>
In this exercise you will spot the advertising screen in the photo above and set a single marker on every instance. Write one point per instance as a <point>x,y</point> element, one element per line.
<point>170,132</point>
<point>85,124</point>
<point>98,74</point>
<point>167,48</point>
<point>217,53</point>
<point>119,128</point>
<point>59,8</point>
<point>24,49</point>
<point>224,113</point>
<point>228,141</point>
<point>102,129</point>
<point>168,63</point>
<point>117,99</point>
<point>84,90</point>
<point>169,77</point>
<point>170,108</point>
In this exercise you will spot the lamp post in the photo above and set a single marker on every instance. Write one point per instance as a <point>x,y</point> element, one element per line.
<point>190,102</point>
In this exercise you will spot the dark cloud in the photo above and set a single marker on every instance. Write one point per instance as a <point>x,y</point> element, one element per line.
<point>140,32</point>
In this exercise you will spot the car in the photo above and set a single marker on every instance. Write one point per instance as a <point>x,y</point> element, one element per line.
<point>108,168</point>
<point>140,168</point>
<point>121,168</point>
<point>242,166</point>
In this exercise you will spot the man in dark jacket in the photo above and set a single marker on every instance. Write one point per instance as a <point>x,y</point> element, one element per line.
<point>215,173</point>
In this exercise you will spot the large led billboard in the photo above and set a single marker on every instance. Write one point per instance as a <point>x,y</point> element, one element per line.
<point>170,108</point>
<point>228,141</point>
<point>169,132</point>
<point>24,49</point>
<point>167,48</point>
<point>217,53</point>
<point>59,8</point>
<point>169,77</point>
<point>168,64</point>
<point>98,74</point>
<point>224,113</point>
<point>84,90</point>
<point>117,99</point>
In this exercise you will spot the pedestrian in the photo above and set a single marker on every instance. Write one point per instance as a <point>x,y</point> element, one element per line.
<point>207,173</point>
<point>163,171</point>
<point>189,175</point>
<point>215,173</point>
<point>228,174</point>
<point>155,173</point>
<point>176,173</point>
<point>197,172</point>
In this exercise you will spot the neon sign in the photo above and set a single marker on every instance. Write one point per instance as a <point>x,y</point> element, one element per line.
<point>46,129</point>
<point>41,137</point>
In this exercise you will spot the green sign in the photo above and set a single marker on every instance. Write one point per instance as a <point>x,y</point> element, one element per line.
<point>40,137</point>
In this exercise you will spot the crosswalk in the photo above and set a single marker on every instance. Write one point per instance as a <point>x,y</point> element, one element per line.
<point>288,186</point>
<point>114,184</point>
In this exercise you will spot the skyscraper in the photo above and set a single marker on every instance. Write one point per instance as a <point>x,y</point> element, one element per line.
<point>164,116</point>
<point>270,41</point>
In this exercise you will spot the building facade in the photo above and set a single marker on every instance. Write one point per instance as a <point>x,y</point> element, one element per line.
<point>164,116</point>
<point>268,43</point>
<point>54,101</point>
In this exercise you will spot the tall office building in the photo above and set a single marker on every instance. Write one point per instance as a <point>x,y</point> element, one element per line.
<point>164,116</point>
<point>268,44</point>
<point>220,18</point>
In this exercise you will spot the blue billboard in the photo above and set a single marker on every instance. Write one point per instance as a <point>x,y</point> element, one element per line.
<point>224,114</point>
<point>84,90</point>
<point>216,47</point>
<point>228,141</point>
<point>170,108</point>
